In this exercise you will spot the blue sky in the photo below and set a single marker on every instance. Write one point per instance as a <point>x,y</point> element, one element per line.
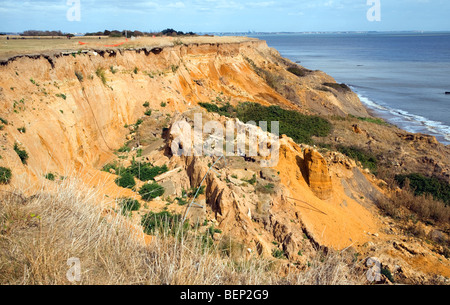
<point>224,15</point>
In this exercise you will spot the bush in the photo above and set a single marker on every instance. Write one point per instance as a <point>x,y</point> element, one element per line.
<point>129,204</point>
<point>145,172</point>
<point>124,149</point>
<point>63,96</point>
<point>126,180</point>
<point>163,222</point>
<point>338,87</point>
<point>22,129</point>
<point>277,253</point>
<point>100,72</point>
<point>4,121</point>
<point>115,166</point>
<point>23,155</point>
<point>151,191</point>
<point>79,76</point>
<point>148,112</point>
<point>301,128</point>
<point>5,175</point>
<point>298,71</point>
<point>439,189</point>
<point>146,104</point>
<point>50,177</point>
<point>367,159</point>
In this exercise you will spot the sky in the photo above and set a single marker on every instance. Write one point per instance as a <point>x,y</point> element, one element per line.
<point>224,15</point>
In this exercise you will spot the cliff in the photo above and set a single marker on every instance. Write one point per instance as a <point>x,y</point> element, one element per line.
<point>72,111</point>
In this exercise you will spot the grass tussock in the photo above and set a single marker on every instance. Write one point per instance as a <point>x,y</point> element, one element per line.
<point>39,234</point>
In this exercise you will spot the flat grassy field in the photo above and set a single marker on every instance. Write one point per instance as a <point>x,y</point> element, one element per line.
<point>35,45</point>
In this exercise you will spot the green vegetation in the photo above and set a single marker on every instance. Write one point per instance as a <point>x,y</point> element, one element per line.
<point>5,175</point>
<point>146,104</point>
<point>113,71</point>
<point>113,166</point>
<point>4,121</point>
<point>136,70</point>
<point>301,128</point>
<point>250,181</point>
<point>22,129</point>
<point>439,189</point>
<point>50,176</point>
<point>100,72</point>
<point>163,222</point>
<point>163,104</point>
<point>145,171</point>
<point>367,159</point>
<point>124,149</point>
<point>338,87</point>
<point>277,253</point>
<point>151,191</point>
<point>148,112</point>
<point>23,155</point>
<point>126,180</point>
<point>298,71</point>
<point>128,205</point>
<point>79,75</point>
<point>61,95</point>
<point>377,121</point>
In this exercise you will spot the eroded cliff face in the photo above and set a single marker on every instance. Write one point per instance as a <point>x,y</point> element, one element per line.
<point>79,109</point>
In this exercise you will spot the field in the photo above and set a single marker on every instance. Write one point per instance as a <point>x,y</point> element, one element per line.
<point>33,45</point>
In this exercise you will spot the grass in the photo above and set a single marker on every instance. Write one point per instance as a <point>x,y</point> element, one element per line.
<point>5,175</point>
<point>113,254</point>
<point>301,128</point>
<point>145,171</point>
<point>23,155</point>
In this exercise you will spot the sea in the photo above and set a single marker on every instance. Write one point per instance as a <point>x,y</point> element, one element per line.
<point>401,77</point>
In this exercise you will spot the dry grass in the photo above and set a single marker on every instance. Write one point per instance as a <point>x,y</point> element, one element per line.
<point>38,235</point>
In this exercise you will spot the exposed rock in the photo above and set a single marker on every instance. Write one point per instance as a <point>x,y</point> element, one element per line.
<point>317,175</point>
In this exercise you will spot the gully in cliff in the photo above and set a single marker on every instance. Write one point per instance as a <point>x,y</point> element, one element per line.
<point>208,139</point>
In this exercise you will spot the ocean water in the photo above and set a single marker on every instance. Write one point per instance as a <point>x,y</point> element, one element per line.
<point>402,77</point>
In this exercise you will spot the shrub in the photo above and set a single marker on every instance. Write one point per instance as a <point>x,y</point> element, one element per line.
<point>145,172</point>
<point>124,148</point>
<point>79,76</point>
<point>146,104</point>
<point>277,253</point>
<point>4,121</point>
<point>148,112</point>
<point>338,87</point>
<point>163,222</point>
<point>115,166</point>
<point>63,96</point>
<point>50,176</point>
<point>420,184</point>
<point>163,104</point>
<point>23,155</point>
<point>100,72</point>
<point>129,204</point>
<point>113,71</point>
<point>136,70</point>
<point>367,159</point>
<point>126,180</point>
<point>298,71</point>
<point>5,175</point>
<point>22,129</point>
<point>151,191</point>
